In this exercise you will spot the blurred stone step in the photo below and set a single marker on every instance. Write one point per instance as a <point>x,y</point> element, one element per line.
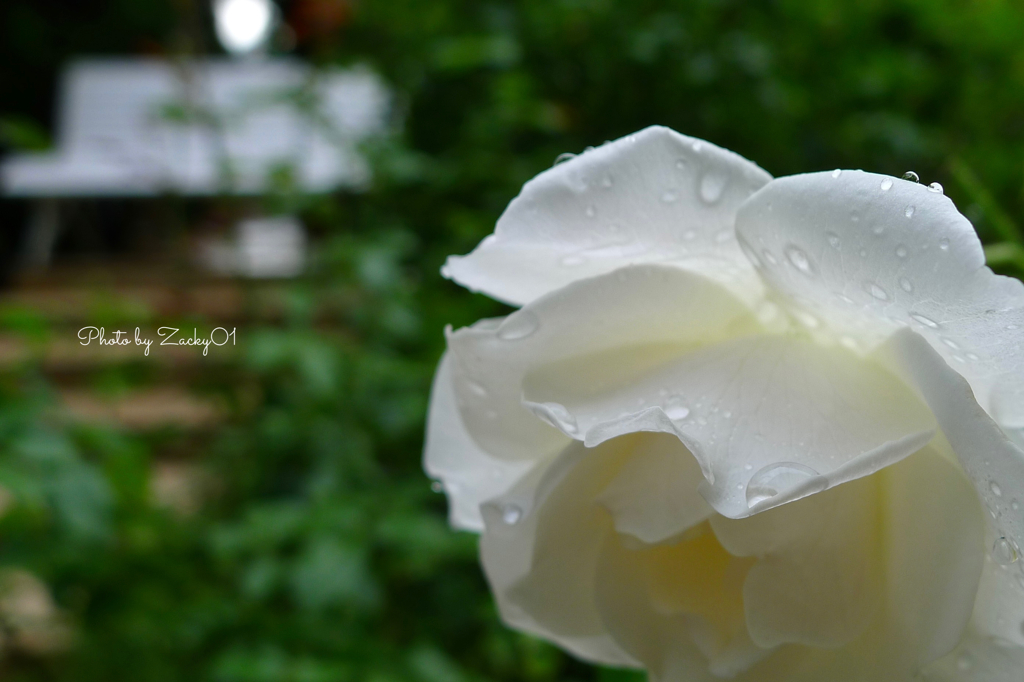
<point>143,409</point>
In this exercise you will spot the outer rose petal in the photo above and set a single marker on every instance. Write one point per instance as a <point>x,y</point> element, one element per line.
<point>659,309</point>
<point>655,196</point>
<point>769,418</point>
<point>470,475</point>
<point>866,254</point>
<point>996,466</point>
<point>541,545</point>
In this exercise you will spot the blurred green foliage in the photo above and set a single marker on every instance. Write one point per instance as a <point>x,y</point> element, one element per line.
<point>321,553</point>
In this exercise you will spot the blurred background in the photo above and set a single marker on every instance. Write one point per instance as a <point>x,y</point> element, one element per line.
<point>297,172</point>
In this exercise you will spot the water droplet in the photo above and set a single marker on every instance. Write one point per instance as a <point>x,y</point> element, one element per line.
<point>906,285</point>
<point>668,197</point>
<point>518,325</point>
<point>926,321</point>
<point>677,412</point>
<point>886,185</point>
<point>964,662</point>
<point>1004,552</point>
<point>557,416</point>
<point>913,177</point>
<point>437,487</point>
<point>680,164</point>
<point>723,236</point>
<point>477,389</point>
<point>996,490</point>
<point>951,343</point>
<point>1011,327</point>
<point>935,187</point>
<point>511,514</point>
<point>876,291</point>
<point>712,185</point>
<point>768,256</point>
<point>591,211</point>
<point>944,244</point>
<point>777,479</point>
<point>799,259</point>
<point>806,319</point>
<point>836,173</point>
<point>607,181</point>
<point>878,229</point>
<point>972,356</point>
<point>909,211</point>
<point>849,343</point>
<point>833,240</point>
<point>1015,505</point>
<point>573,260</point>
<point>901,251</point>
<point>563,157</point>
<point>696,145</point>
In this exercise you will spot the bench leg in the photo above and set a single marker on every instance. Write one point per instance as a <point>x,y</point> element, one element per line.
<point>43,230</point>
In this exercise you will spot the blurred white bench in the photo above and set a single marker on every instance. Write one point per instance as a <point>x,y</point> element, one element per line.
<point>146,127</point>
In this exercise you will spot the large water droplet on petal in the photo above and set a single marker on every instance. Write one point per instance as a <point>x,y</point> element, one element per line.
<point>996,490</point>
<point>909,211</point>
<point>676,412</point>
<point>876,291</point>
<point>511,514</point>
<point>556,415</point>
<point>912,176</point>
<point>886,185</point>
<point>778,479</point>
<point>935,187</point>
<point>518,325</point>
<point>1004,552</point>
<point>799,259</point>
<point>836,173</point>
<point>926,321</point>
<point>712,185</point>
<point>563,157</point>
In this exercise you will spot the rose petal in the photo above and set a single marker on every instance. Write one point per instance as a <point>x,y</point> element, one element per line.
<point>770,419</point>
<point>658,309</point>
<point>817,580</point>
<point>934,533</point>
<point>866,254</point>
<point>470,475</point>
<point>655,196</point>
<point>654,498</point>
<point>541,545</point>
<point>996,466</point>
<point>993,463</point>
<point>666,641</point>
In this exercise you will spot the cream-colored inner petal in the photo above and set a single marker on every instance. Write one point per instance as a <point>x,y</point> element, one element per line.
<point>875,576</point>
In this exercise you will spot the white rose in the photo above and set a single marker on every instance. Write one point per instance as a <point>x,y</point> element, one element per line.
<point>741,427</point>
